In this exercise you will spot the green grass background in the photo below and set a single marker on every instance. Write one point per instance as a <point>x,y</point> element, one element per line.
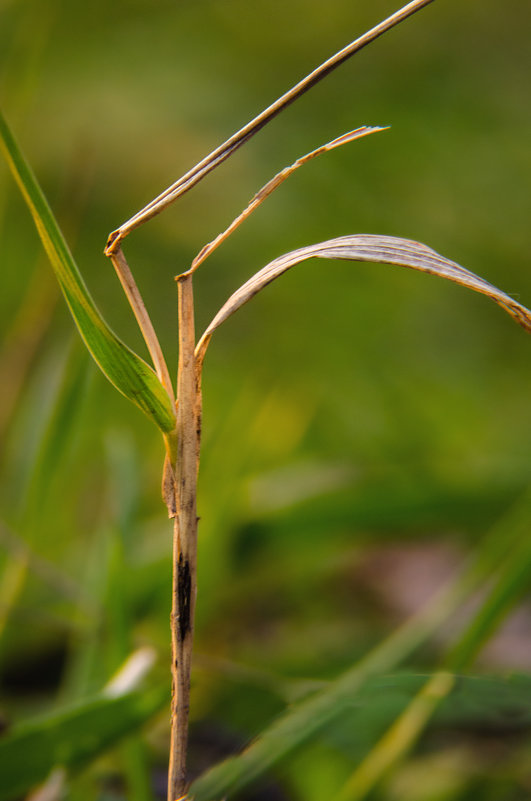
<point>350,409</point>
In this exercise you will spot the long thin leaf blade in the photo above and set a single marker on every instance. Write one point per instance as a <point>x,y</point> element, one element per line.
<point>433,696</point>
<point>71,738</point>
<point>486,703</point>
<point>125,369</point>
<point>309,717</point>
<point>493,703</point>
<point>362,716</point>
<point>326,708</point>
<point>368,248</point>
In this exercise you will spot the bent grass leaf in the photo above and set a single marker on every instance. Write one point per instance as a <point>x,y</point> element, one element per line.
<point>366,248</point>
<point>130,374</point>
<point>315,714</point>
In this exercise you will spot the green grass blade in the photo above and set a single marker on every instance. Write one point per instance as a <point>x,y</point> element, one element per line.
<point>511,580</point>
<point>402,733</point>
<point>126,370</point>
<point>70,739</point>
<point>399,707</point>
<point>409,700</point>
<point>117,602</point>
<point>34,484</point>
<point>491,703</point>
<point>510,583</point>
<point>310,717</point>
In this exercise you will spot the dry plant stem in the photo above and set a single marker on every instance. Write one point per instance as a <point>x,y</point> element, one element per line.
<point>146,326</point>
<point>180,479</point>
<point>185,539</point>
<point>225,150</point>
<point>273,184</point>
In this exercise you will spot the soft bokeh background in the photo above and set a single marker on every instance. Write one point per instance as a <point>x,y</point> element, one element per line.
<point>364,426</point>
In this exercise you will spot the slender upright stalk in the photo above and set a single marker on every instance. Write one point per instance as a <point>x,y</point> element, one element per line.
<point>185,539</point>
<point>136,302</point>
<point>180,470</point>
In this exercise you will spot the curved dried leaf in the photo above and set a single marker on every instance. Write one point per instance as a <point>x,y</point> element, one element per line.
<point>366,247</point>
<point>130,374</point>
<point>275,182</point>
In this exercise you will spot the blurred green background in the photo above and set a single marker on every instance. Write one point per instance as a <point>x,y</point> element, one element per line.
<point>364,426</point>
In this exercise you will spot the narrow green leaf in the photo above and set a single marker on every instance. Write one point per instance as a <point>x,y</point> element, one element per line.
<point>364,715</point>
<point>297,726</point>
<point>473,702</point>
<point>509,583</point>
<point>308,718</point>
<point>126,370</point>
<point>70,739</point>
<point>406,729</point>
<point>338,701</point>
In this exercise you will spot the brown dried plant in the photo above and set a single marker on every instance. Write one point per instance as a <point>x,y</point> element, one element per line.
<point>178,414</point>
<point>183,445</point>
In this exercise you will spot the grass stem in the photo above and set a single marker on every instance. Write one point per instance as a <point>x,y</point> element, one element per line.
<point>185,539</point>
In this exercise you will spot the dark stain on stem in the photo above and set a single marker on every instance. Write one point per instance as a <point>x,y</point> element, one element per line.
<point>184,591</point>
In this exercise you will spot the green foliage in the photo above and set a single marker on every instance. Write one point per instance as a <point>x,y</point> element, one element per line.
<point>343,702</point>
<point>360,434</point>
<point>70,738</point>
<point>356,722</point>
<point>129,374</point>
